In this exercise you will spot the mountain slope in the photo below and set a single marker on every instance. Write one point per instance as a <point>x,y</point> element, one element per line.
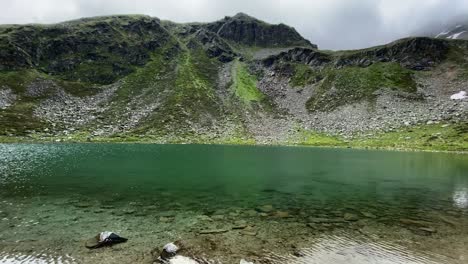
<point>236,80</point>
<point>459,31</point>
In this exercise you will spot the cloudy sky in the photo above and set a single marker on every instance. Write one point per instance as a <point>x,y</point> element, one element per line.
<point>332,24</point>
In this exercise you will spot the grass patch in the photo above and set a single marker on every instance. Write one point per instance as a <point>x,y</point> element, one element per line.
<point>304,75</point>
<point>345,85</point>
<point>18,119</point>
<point>245,84</point>
<point>312,138</point>
<point>425,137</point>
<point>190,97</point>
<point>18,81</point>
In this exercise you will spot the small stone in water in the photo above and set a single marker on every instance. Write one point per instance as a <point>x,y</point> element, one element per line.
<point>428,229</point>
<point>319,220</point>
<point>129,211</point>
<point>213,231</point>
<point>281,214</point>
<point>266,208</point>
<point>369,215</point>
<point>164,219</point>
<point>169,250</point>
<point>217,217</point>
<point>249,233</point>
<point>414,222</point>
<point>350,217</point>
<point>241,224</point>
<point>251,213</point>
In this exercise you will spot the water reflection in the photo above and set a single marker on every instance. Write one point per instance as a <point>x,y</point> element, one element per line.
<point>460,198</point>
<point>345,250</point>
<point>35,259</point>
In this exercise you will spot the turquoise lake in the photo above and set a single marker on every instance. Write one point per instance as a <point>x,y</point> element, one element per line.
<point>227,203</point>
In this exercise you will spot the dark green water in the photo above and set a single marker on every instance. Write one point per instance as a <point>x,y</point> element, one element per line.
<point>164,186</point>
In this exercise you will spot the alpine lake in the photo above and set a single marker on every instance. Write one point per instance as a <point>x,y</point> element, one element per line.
<point>263,204</point>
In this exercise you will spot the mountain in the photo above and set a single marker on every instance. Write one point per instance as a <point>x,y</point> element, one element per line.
<point>459,31</point>
<point>236,80</point>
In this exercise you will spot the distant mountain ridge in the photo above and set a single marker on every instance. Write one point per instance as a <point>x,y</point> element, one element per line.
<point>238,79</point>
<point>459,31</point>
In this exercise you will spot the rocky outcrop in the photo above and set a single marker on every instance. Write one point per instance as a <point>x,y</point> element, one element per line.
<point>98,50</point>
<point>412,53</point>
<point>247,30</point>
<point>214,45</point>
<point>307,56</point>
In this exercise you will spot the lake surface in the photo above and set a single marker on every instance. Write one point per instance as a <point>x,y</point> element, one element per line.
<point>226,203</point>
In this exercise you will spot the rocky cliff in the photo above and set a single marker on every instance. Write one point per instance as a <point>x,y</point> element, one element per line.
<point>236,80</point>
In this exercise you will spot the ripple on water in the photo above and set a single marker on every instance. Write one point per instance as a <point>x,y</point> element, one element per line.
<point>342,249</point>
<point>38,258</point>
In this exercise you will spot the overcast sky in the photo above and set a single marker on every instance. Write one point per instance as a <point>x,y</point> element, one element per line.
<point>332,24</point>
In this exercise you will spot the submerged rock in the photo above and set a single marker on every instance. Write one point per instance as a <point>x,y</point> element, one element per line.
<point>181,260</point>
<point>428,229</point>
<point>281,214</point>
<point>350,217</point>
<point>169,251</point>
<point>249,231</point>
<point>319,220</point>
<point>103,239</point>
<point>266,208</point>
<point>415,222</point>
<point>213,231</point>
<point>369,215</point>
<point>240,224</point>
<point>250,213</point>
<point>169,254</point>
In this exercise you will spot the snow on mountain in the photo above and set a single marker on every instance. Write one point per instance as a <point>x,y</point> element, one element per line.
<point>456,32</point>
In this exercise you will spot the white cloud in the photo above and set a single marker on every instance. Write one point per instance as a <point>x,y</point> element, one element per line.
<point>332,24</point>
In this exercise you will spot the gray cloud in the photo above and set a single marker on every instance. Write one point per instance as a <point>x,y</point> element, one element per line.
<point>332,24</point>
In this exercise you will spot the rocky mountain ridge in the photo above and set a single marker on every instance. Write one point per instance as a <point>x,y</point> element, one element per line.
<point>238,80</point>
<point>459,31</point>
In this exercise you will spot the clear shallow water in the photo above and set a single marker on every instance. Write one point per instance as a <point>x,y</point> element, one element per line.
<point>288,205</point>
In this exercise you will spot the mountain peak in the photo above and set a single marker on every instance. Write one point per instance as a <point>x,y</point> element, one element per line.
<point>242,15</point>
<point>247,30</point>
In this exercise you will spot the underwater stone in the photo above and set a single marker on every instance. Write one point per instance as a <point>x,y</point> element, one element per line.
<point>428,229</point>
<point>266,208</point>
<point>318,220</point>
<point>369,215</point>
<point>281,214</point>
<point>350,217</point>
<point>213,231</point>
<point>240,224</point>
<point>103,239</point>
<point>169,250</point>
<point>414,222</point>
<point>250,213</point>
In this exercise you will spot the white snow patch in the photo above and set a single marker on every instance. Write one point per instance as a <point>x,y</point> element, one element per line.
<point>459,96</point>
<point>243,261</point>
<point>456,35</point>
<point>458,26</point>
<point>442,33</point>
